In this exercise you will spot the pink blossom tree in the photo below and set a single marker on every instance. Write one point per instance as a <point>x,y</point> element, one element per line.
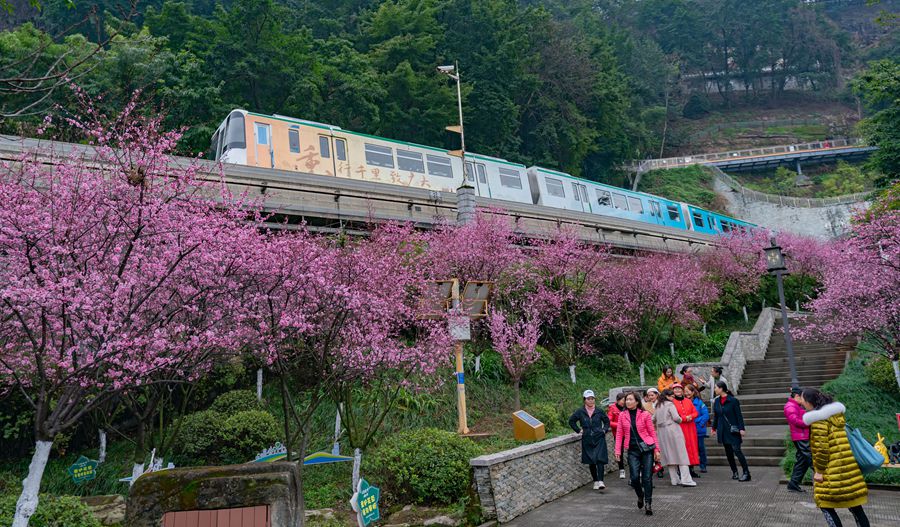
<point>861,287</point>
<point>515,336</point>
<point>114,265</point>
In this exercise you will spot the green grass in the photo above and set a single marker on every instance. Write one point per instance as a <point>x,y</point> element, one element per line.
<point>691,184</point>
<point>803,132</point>
<point>868,408</point>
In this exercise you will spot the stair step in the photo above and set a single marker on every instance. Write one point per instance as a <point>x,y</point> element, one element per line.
<point>765,421</point>
<point>749,451</point>
<point>784,384</point>
<point>755,461</point>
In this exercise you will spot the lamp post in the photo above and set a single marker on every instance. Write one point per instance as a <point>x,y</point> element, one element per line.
<point>452,71</point>
<point>775,265</point>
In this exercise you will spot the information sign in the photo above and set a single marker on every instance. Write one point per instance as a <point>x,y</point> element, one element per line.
<point>83,470</point>
<point>365,503</point>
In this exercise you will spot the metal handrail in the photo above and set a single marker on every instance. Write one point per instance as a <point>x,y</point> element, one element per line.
<point>790,201</point>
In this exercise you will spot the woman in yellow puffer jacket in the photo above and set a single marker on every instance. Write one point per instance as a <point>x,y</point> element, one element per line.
<point>838,483</point>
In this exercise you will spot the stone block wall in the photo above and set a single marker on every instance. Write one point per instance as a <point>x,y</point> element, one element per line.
<point>513,482</point>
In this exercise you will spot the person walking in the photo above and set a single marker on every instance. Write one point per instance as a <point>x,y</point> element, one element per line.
<point>793,412</point>
<point>728,425</point>
<point>688,413</point>
<point>636,436</point>
<point>671,440</point>
<point>687,377</point>
<point>667,379</point>
<point>614,411</point>
<point>837,480</point>
<point>592,423</point>
<point>650,399</point>
<point>700,421</point>
<point>715,376</point>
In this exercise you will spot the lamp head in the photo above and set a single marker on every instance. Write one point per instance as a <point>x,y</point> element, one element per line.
<point>447,70</point>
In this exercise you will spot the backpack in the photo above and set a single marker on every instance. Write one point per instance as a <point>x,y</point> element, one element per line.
<point>868,459</point>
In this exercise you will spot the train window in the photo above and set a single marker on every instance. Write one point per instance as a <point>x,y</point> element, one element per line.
<point>294,140</point>
<point>698,219</point>
<point>620,202</point>
<point>324,147</point>
<point>482,175</point>
<point>214,146</point>
<point>654,209</point>
<point>235,135</point>
<point>340,149</point>
<point>379,156</point>
<point>262,134</point>
<point>439,166</point>
<point>726,226</point>
<point>635,205</point>
<point>674,213</point>
<point>411,161</point>
<point>604,198</point>
<point>510,178</point>
<point>555,188</point>
<point>470,171</point>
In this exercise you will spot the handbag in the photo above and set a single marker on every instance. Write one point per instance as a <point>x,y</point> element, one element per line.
<point>733,429</point>
<point>657,467</point>
<point>644,447</point>
<point>868,459</point>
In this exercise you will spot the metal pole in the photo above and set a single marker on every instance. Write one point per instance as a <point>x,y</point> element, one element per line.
<point>462,134</point>
<point>787,331</point>
<point>463,427</point>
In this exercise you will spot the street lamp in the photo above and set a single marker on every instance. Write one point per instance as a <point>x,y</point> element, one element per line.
<point>452,71</point>
<point>775,265</point>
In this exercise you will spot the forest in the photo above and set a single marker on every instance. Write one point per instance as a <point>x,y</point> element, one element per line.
<point>580,85</point>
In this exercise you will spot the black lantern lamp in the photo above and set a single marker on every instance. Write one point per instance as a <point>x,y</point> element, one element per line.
<point>774,257</point>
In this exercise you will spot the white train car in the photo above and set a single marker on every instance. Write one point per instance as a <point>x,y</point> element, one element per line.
<point>498,178</point>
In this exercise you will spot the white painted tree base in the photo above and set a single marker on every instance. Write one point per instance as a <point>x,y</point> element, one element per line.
<point>896,364</point>
<point>642,375</point>
<point>101,457</point>
<point>357,463</point>
<point>31,485</point>
<point>477,363</point>
<point>136,471</point>
<point>572,372</point>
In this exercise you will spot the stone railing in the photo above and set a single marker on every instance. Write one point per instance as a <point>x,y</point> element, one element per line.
<point>785,201</point>
<point>513,482</point>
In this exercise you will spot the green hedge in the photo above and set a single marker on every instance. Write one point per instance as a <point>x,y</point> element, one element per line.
<point>880,372</point>
<point>230,403</point>
<point>52,511</point>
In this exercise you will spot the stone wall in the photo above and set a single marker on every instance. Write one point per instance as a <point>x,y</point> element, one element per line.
<point>513,482</point>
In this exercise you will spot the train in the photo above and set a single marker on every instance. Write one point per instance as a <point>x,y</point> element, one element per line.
<point>299,145</point>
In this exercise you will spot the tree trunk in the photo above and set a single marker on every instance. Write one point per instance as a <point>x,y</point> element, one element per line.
<point>357,462</point>
<point>259,383</point>
<point>301,501</point>
<point>642,375</point>
<point>572,373</point>
<point>896,364</point>
<point>136,471</point>
<point>746,316</point>
<point>704,329</point>
<point>336,446</point>
<point>31,486</point>
<point>516,402</point>
<point>101,457</point>
<point>477,363</point>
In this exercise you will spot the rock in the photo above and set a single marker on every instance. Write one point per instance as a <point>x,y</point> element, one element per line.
<point>109,510</point>
<point>325,514</point>
<point>442,520</point>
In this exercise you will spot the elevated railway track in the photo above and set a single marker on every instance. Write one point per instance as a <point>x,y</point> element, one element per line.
<point>330,204</point>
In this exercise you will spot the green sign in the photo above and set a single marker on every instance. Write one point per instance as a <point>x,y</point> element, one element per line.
<point>365,503</point>
<point>83,470</point>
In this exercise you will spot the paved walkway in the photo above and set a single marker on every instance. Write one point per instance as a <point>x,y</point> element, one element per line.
<point>716,501</point>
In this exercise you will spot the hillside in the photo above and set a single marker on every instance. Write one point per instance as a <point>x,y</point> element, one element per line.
<point>691,184</point>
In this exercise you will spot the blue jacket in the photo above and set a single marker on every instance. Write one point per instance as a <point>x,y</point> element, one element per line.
<point>702,418</point>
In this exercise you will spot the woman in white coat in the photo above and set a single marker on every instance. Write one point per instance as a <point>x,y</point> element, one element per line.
<point>671,440</point>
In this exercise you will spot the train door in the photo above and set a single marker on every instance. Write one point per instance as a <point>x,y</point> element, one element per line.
<point>265,154</point>
<point>333,151</point>
<point>656,212</point>
<point>476,175</point>
<point>581,197</point>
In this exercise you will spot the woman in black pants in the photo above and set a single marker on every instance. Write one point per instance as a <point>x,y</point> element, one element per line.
<point>637,437</point>
<point>728,425</point>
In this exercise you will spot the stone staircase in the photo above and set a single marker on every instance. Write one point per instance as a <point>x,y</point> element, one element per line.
<point>764,389</point>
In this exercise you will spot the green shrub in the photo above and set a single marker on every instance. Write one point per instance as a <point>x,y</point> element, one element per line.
<point>549,414</point>
<point>52,511</point>
<point>198,438</point>
<point>230,403</point>
<point>613,365</point>
<point>244,434</point>
<point>881,373</point>
<point>426,465</point>
<point>696,107</point>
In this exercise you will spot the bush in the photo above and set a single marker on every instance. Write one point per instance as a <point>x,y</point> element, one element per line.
<point>881,373</point>
<point>52,511</point>
<point>245,434</point>
<point>425,465</point>
<point>549,414</point>
<point>230,403</point>
<point>198,438</point>
<point>613,365</point>
<point>696,107</point>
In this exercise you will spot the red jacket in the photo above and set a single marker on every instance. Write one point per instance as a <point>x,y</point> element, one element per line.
<point>644,427</point>
<point>613,415</point>
<point>793,412</point>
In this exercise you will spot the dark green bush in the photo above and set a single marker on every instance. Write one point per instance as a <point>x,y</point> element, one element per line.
<point>880,372</point>
<point>230,403</point>
<point>52,511</point>
<point>696,107</point>
<point>426,466</point>
<point>613,365</point>
<point>245,434</point>
<point>549,414</point>
<point>198,438</point>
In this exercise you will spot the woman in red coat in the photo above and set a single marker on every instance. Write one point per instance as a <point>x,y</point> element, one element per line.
<point>688,413</point>
<point>614,411</point>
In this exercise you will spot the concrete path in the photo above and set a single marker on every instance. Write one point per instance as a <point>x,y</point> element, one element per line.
<point>716,501</point>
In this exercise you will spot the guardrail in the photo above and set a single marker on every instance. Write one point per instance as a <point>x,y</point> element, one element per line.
<point>331,204</point>
<point>682,161</point>
<point>789,201</point>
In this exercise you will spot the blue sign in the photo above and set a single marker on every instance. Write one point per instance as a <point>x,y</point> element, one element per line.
<point>365,503</point>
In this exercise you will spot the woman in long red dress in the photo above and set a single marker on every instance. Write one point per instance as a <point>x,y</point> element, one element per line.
<point>688,413</point>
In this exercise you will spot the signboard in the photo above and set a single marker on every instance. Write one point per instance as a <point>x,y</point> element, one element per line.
<point>365,503</point>
<point>273,453</point>
<point>474,298</point>
<point>460,328</point>
<point>527,428</point>
<point>83,470</point>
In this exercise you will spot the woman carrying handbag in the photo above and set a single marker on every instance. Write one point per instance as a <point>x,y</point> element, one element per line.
<point>728,425</point>
<point>637,437</point>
